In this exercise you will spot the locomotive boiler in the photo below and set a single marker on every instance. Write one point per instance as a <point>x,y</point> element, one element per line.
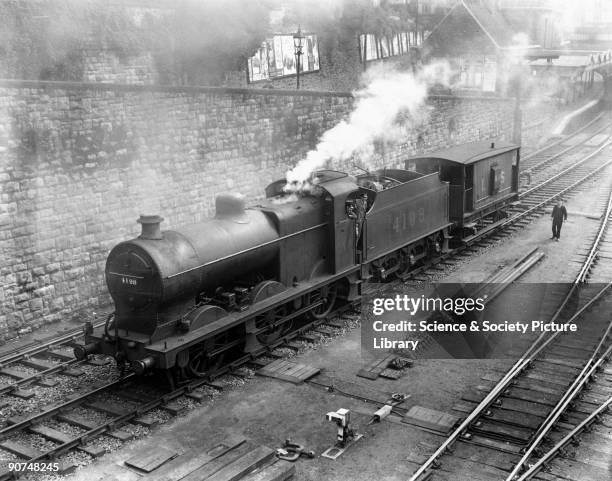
<point>184,298</point>
<point>187,300</point>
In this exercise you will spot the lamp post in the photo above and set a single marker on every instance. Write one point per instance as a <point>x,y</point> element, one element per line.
<point>298,43</point>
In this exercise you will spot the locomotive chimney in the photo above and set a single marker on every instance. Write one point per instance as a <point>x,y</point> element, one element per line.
<point>150,227</point>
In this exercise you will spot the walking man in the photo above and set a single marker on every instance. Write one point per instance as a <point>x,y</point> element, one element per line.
<point>559,214</point>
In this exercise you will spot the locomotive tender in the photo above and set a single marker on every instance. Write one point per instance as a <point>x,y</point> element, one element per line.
<point>185,299</point>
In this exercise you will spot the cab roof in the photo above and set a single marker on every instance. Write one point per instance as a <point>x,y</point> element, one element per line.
<point>470,153</point>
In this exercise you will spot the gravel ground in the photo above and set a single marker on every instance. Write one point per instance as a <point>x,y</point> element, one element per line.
<point>66,385</point>
<point>94,416</point>
<point>26,369</point>
<point>208,391</point>
<point>6,457</point>
<point>64,427</point>
<point>6,379</point>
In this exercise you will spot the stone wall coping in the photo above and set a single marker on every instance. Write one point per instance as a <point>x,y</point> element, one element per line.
<point>61,85</point>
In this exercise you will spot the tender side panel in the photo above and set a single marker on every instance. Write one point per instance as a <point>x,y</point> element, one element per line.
<point>407,213</point>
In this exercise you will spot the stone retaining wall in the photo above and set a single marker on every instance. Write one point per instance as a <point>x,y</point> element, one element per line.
<point>80,162</point>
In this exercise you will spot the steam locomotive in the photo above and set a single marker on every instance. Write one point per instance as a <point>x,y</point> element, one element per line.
<point>186,299</point>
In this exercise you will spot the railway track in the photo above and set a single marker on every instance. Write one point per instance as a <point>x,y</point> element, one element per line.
<point>533,201</point>
<point>537,161</point>
<point>64,426</point>
<point>552,385</point>
<point>588,404</point>
<point>580,451</point>
<point>68,425</point>
<point>530,151</point>
<point>39,362</point>
<point>42,347</point>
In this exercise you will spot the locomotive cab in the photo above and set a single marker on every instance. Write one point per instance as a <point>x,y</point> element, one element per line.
<point>338,191</point>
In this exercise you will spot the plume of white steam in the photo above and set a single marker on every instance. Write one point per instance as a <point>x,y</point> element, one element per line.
<point>536,90</point>
<point>519,46</point>
<point>388,99</point>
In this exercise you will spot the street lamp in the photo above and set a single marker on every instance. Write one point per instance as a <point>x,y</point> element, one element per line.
<point>298,43</point>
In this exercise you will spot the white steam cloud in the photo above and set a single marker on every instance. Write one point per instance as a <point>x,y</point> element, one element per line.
<point>388,103</point>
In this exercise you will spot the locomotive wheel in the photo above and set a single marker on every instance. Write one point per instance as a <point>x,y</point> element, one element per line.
<point>273,331</point>
<point>400,260</point>
<point>404,267</point>
<point>397,260</point>
<point>201,362</point>
<point>328,294</point>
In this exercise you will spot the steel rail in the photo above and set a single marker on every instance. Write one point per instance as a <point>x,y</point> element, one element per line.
<point>562,405</point>
<point>515,218</point>
<point>589,260</point>
<point>4,432</point>
<point>533,350</point>
<point>119,419</point>
<point>531,210</point>
<point>578,383</point>
<point>538,206</point>
<point>533,470</point>
<point>39,375</point>
<point>595,247</point>
<point>139,410</point>
<point>39,347</point>
<point>561,140</point>
<point>568,169</point>
<point>529,170</point>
